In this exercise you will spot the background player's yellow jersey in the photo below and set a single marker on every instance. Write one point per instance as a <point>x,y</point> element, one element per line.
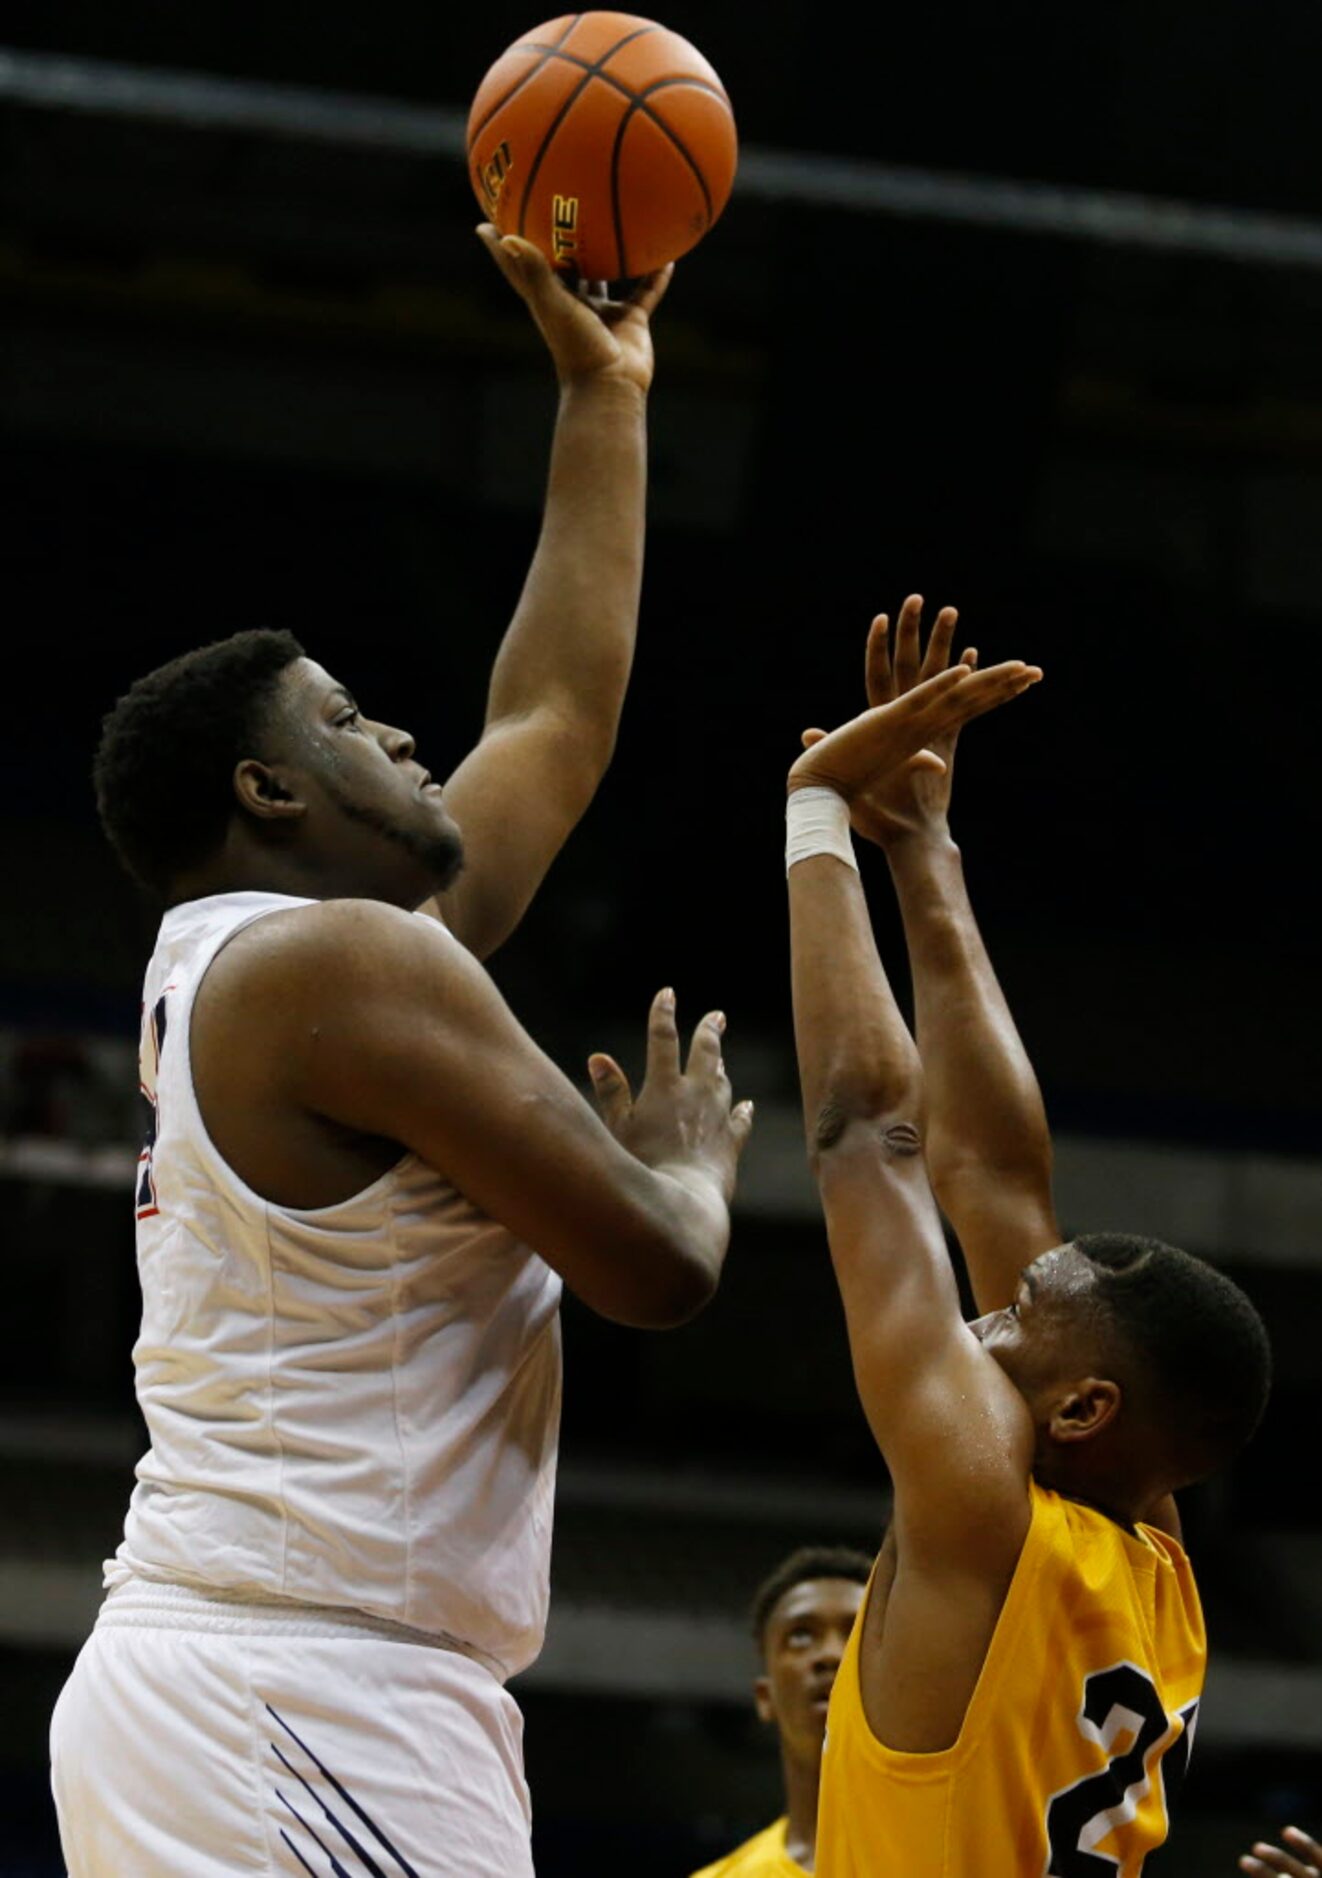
<point>1076,1738</point>
<point>761,1857</point>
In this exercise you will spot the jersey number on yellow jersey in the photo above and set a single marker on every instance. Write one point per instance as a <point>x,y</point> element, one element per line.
<point>1148,1751</point>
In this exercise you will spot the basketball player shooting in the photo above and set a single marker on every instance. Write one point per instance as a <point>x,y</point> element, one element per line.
<point>362,1191</point>
<point>1020,1693</point>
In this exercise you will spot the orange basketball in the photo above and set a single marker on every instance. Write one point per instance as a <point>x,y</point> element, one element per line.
<point>605,139</point>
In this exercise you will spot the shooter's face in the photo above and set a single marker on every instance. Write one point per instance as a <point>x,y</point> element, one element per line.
<point>805,1639</point>
<point>370,806</point>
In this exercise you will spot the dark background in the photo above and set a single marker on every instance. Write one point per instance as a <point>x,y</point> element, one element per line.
<point>252,379</point>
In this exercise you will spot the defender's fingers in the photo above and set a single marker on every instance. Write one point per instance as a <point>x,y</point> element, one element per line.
<point>998,682</point>
<point>809,737</point>
<point>937,656</point>
<point>920,713</point>
<point>705,1050</point>
<point>741,1124</point>
<point>908,639</point>
<point>610,1089</point>
<point>980,691</point>
<point>662,1038</point>
<point>878,677</point>
<point>930,696</point>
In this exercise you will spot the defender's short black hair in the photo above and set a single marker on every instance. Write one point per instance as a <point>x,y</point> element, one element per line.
<point>1201,1348</point>
<point>809,1562</point>
<point>164,766</point>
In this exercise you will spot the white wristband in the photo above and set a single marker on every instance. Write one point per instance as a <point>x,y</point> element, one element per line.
<point>817,822</point>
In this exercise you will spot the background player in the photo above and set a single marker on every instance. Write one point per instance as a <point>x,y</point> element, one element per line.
<point>363,1186</point>
<point>801,1618</point>
<point>1033,1632</point>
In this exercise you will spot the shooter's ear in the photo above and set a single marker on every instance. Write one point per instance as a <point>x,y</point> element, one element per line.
<point>264,792</point>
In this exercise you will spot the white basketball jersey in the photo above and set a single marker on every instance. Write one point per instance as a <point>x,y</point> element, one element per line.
<point>353,1406</point>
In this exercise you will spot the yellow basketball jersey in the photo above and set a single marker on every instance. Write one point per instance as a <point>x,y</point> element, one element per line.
<point>1076,1738</point>
<point>763,1856</point>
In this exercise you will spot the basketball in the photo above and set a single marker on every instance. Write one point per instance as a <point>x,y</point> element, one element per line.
<point>606,140</point>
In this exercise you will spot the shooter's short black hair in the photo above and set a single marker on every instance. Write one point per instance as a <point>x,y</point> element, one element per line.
<point>1200,1348</point>
<point>165,763</point>
<point>809,1562</point>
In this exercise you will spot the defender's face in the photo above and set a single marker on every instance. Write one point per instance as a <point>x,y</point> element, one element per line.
<point>806,1635</point>
<point>365,774</point>
<point>1046,1334</point>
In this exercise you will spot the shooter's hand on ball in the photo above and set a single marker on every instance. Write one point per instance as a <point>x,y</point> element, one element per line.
<point>892,743</point>
<point>590,338</point>
<point>681,1121</point>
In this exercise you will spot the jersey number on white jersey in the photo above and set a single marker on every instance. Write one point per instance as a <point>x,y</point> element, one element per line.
<point>150,1061</point>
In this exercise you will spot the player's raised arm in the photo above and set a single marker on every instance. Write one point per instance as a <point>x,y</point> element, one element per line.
<point>383,1026</point>
<point>916,1366</point>
<point>987,1140</point>
<point>561,672</point>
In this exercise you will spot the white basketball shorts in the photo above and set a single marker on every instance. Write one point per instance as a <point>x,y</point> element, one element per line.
<point>199,1736</point>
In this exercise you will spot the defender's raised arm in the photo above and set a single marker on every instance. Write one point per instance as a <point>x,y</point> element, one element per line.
<point>860,1074</point>
<point>988,1144</point>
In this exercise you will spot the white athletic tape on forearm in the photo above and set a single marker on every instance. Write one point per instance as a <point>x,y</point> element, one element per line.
<point>817,822</point>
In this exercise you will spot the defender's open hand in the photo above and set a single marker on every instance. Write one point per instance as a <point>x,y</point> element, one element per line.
<point>896,739</point>
<point>893,667</point>
<point>915,798</point>
<point>682,1117</point>
<point>590,338</point>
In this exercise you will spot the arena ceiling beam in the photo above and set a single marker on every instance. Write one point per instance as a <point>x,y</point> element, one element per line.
<point>1106,217</point>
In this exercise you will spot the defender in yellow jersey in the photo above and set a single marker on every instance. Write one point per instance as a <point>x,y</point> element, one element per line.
<point>802,1616</point>
<point>1019,1696</point>
<point>1075,1739</point>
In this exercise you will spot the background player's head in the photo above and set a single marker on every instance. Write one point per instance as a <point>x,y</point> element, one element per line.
<point>802,1615</point>
<point>1145,1368</point>
<point>244,765</point>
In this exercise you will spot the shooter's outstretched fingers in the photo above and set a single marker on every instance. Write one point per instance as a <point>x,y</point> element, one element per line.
<point>610,1089</point>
